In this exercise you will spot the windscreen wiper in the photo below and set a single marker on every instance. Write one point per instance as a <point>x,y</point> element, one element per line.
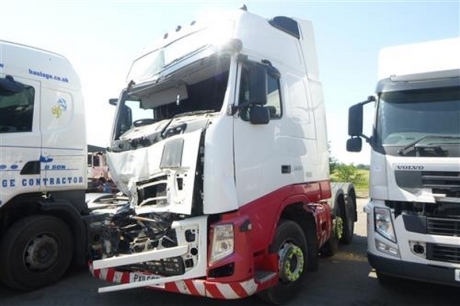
<point>403,151</point>
<point>199,112</point>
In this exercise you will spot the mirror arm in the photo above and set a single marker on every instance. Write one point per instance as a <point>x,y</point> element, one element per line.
<point>369,100</point>
<point>369,140</point>
<point>235,108</point>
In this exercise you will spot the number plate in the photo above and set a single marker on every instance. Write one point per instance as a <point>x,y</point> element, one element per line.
<point>457,275</point>
<point>140,277</point>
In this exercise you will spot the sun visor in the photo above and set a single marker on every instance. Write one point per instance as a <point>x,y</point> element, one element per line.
<point>165,96</point>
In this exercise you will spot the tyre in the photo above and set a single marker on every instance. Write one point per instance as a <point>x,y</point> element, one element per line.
<point>348,221</point>
<point>35,252</point>
<point>331,246</point>
<point>291,246</point>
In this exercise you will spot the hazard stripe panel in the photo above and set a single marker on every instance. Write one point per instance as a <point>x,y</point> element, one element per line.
<point>196,287</point>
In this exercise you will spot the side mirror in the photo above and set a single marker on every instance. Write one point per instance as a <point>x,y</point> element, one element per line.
<point>126,118</point>
<point>355,120</point>
<point>113,101</point>
<point>355,126</point>
<point>354,144</point>
<point>257,79</point>
<point>259,115</point>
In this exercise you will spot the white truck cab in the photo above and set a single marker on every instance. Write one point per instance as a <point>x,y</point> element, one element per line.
<point>220,143</point>
<point>414,210</point>
<point>42,168</point>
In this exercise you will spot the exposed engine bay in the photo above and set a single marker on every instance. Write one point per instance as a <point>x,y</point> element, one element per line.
<point>126,233</point>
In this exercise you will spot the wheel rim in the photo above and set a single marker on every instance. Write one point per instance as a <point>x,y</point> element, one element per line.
<point>338,227</point>
<point>291,262</point>
<point>41,253</point>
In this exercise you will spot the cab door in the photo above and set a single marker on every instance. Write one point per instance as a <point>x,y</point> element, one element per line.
<point>20,136</point>
<point>257,132</point>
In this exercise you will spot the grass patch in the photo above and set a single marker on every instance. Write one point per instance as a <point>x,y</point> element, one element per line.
<point>360,181</point>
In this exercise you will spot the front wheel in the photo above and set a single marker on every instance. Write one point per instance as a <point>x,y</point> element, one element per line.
<point>291,246</point>
<point>35,252</point>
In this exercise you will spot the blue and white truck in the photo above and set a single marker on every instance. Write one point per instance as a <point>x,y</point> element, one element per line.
<point>45,220</point>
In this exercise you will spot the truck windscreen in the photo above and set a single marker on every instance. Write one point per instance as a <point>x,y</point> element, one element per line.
<point>199,87</point>
<point>145,67</point>
<point>403,117</point>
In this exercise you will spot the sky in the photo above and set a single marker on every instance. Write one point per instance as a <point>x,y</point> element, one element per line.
<point>101,38</point>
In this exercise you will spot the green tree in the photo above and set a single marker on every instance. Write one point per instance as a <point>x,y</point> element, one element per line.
<point>348,173</point>
<point>333,163</point>
<point>361,166</point>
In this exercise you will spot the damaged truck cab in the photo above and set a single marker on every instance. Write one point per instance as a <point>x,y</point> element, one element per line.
<point>220,144</point>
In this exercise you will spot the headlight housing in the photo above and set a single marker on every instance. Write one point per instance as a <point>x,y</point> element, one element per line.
<point>223,243</point>
<point>384,224</point>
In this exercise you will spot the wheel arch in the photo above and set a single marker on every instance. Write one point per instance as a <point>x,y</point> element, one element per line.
<point>337,199</point>
<point>297,213</point>
<point>344,194</point>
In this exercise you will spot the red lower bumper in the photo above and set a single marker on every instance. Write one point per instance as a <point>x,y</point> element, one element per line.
<point>198,287</point>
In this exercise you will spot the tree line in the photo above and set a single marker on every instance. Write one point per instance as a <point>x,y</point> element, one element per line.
<point>341,172</point>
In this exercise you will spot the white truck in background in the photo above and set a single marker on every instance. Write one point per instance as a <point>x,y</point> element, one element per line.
<point>414,210</point>
<point>220,143</point>
<point>43,167</point>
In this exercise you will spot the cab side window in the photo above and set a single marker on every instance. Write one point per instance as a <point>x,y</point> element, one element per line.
<point>16,107</point>
<point>273,97</point>
<point>273,92</point>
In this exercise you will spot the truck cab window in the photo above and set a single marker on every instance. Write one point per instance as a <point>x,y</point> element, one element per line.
<point>16,108</point>
<point>131,115</point>
<point>273,97</point>
<point>198,88</point>
<point>273,93</point>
